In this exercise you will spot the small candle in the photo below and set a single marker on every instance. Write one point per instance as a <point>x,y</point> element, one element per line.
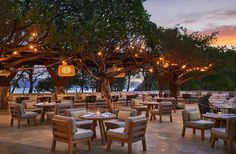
<point>98,113</point>
<point>219,113</point>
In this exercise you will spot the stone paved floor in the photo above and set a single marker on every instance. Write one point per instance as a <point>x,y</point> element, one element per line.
<point>162,138</point>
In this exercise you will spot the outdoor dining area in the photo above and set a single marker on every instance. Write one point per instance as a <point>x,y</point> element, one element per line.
<point>103,77</point>
<point>63,126</point>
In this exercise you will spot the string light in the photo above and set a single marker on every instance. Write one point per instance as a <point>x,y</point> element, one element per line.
<point>99,53</point>
<point>15,53</point>
<point>35,49</point>
<point>64,62</point>
<point>150,70</point>
<point>117,48</point>
<point>33,34</point>
<point>136,55</point>
<point>31,47</point>
<point>183,66</point>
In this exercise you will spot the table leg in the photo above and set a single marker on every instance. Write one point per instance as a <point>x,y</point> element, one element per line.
<point>147,112</point>
<point>93,128</point>
<point>102,131</point>
<point>42,115</point>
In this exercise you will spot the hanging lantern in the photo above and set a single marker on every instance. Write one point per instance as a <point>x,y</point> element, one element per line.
<point>66,70</point>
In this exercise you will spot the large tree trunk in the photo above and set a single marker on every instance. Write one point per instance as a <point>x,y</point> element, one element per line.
<point>174,89</point>
<point>128,84</point>
<point>105,89</point>
<point>59,89</point>
<point>161,85</point>
<point>4,92</point>
<point>31,81</point>
<point>173,86</point>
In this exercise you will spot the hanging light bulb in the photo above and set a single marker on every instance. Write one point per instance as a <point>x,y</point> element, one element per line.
<point>31,46</point>
<point>15,53</point>
<point>99,53</point>
<point>64,62</point>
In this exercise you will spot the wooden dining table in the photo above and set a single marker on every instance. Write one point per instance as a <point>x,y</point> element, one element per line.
<point>150,105</point>
<point>45,107</point>
<point>224,106</point>
<point>99,118</point>
<point>220,119</point>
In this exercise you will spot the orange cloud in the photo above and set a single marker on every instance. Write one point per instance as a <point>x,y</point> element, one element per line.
<point>227,35</point>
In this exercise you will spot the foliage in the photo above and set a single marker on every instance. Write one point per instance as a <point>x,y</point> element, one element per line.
<point>45,85</point>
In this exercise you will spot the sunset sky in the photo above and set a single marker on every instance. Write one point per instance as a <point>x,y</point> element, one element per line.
<point>197,15</point>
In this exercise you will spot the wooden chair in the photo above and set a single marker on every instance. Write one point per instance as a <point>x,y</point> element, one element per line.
<point>164,109</point>
<point>44,99</point>
<point>90,101</point>
<point>134,131</point>
<point>69,98</point>
<point>119,122</point>
<point>18,112</point>
<point>64,130</point>
<point>228,134</point>
<point>60,109</point>
<point>85,124</point>
<point>136,104</point>
<point>196,124</point>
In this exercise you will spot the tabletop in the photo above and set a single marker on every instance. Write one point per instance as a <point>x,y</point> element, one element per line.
<point>150,103</point>
<point>218,116</point>
<point>102,116</point>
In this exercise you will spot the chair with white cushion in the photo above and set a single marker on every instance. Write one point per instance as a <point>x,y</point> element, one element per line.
<point>191,119</point>
<point>135,130</point>
<point>18,112</point>
<point>228,134</point>
<point>164,109</point>
<point>64,130</point>
<point>76,113</point>
<point>122,117</point>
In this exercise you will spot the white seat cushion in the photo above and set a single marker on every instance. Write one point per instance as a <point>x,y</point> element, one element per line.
<point>200,124</point>
<point>115,123</point>
<point>118,133</point>
<point>29,115</point>
<point>219,131</point>
<point>82,133</point>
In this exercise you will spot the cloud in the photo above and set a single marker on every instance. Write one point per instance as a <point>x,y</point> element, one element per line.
<point>204,16</point>
<point>227,34</point>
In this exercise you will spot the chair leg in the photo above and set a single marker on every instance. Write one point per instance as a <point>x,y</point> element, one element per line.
<point>122,144</point>
<point>144,144</point>
<point>53,145</point>
<point>129,148</point>
<point>12,121</point>
<point>35,121</point>
<point>89,144</point>
<point>194,131</point>
<point>19,123</point>
<point>70,148</point>
<point>202,135</point>
<point>160,118</point>
<point>213,139</point>
<point>183,131</point>
<point>28,121</point>
<point>171,119</point>
<point>230,147</point>
<point>109,144</point>
<point>151,117</point>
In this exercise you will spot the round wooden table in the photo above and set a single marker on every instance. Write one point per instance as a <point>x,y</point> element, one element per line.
<point>45,107</point>
<point>100,119</point>
<point>150,105</point>
<point>220,120</point>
